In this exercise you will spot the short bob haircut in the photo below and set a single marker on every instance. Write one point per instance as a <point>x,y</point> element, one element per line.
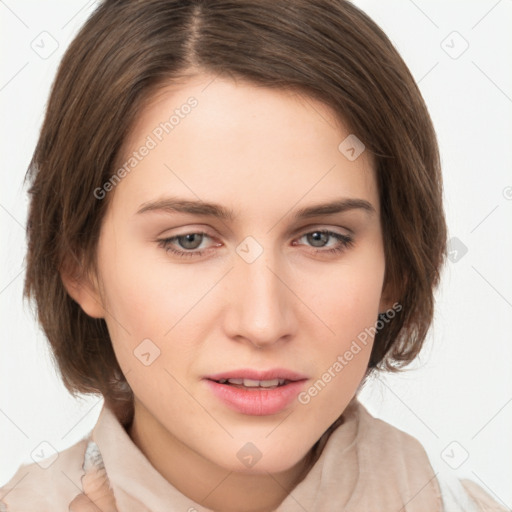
<point>130,49</point>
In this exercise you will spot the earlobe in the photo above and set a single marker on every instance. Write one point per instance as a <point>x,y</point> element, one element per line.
<point>84,290</point>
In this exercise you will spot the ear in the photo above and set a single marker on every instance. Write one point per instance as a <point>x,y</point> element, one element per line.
<point>83,287</point>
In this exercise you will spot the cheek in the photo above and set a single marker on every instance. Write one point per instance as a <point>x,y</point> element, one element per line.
<point>347,295</point>
<point>347,299</point>
<point>342,356</point>
<point>152,303</point>
<point>144,292</point>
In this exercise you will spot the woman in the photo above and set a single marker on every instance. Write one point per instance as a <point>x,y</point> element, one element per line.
<point>236,218</point>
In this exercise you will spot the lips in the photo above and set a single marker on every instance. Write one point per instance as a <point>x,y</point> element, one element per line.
<point>254,392</point>
<point>259,375</point>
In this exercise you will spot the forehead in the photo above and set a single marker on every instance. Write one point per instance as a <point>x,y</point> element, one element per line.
<point>240,144</point>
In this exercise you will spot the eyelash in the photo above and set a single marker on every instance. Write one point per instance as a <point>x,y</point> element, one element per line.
<point>345,242</point>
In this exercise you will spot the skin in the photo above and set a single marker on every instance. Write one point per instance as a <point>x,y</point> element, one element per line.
<point>264,154</point>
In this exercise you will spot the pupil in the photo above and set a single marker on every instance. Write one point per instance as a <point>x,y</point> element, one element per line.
<point>189,242</point>
<point>317,236</point>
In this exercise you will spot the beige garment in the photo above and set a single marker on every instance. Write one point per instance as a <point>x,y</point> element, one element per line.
<point>366,465</point>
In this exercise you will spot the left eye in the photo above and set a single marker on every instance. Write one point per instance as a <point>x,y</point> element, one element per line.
<point>190,242</point>
<point>322,236</point>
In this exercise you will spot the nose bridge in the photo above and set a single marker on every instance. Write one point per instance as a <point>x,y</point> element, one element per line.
<point>262,304</point>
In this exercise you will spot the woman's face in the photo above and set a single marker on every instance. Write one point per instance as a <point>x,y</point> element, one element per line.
<point>213,265</point>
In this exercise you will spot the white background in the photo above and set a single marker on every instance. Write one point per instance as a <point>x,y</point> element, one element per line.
<point>460,393</point>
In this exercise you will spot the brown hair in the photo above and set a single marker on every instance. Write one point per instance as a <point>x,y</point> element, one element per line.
<point>327,49</point>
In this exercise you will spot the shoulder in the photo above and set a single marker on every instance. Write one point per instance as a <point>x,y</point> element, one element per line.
<point>390,443</point>
<point>397,458</point>
<point>406,457</point>
<point>50,484</point>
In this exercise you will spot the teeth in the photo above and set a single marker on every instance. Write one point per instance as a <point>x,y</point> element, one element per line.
<point>250,383</point>
<point>269,383</point>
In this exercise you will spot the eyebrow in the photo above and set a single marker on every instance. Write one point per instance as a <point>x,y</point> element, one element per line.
<point>176,205</point>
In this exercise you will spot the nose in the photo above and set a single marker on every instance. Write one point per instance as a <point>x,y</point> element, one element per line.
<point>261,304</point>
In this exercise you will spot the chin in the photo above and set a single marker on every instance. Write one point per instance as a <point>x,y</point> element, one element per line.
<point>255,459</point>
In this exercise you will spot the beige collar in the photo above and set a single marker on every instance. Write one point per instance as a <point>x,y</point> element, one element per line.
<point>365,465</point>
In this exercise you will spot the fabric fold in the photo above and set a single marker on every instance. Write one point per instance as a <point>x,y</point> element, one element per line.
<point>361,464</point>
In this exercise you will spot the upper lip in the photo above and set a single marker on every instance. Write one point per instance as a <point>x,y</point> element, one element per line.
<point>250,373</point>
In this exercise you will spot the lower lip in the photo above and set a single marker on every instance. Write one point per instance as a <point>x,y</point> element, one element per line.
<point>258,401</point>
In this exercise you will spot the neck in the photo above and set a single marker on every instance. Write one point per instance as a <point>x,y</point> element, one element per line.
<point>212,486</point>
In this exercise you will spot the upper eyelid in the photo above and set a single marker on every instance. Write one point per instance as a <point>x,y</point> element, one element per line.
<point>296,235</point>
<point>294,232</point>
